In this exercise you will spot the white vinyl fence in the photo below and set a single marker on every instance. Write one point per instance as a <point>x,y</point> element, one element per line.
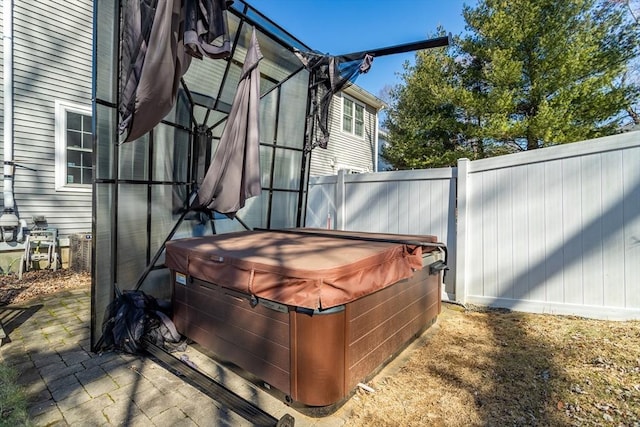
<point>555,230</point>
<point>402,202</point>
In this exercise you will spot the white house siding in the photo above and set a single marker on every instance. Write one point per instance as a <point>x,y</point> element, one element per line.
<point>346,150</point>
<point>1,82</point>
<point>52,44</point>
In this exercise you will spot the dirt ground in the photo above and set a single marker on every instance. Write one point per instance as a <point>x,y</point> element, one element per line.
<point>479,368</point>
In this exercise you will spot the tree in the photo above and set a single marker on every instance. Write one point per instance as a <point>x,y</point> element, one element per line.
<point>633,6</point>
<point>633,74</point>
<point>526,75</point>
<point>422,123</point>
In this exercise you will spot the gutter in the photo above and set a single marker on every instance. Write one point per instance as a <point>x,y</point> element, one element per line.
<point>8,220</point>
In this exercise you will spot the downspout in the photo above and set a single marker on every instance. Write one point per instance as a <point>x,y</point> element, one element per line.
<point>8,220</point>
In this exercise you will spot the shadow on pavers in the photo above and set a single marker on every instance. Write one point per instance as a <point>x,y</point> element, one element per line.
<point>11,317</point>
<point>68,384</point>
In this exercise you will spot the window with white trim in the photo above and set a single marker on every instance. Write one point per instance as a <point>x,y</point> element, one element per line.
<point>74,149</point>
<point>352,117</point>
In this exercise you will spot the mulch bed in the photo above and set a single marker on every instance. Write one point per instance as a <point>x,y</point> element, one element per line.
<point>39,282</point>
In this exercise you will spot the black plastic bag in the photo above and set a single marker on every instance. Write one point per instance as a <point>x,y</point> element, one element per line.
<point>133,316</point>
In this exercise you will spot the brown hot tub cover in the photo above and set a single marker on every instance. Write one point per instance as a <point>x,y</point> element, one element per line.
<point>315,269</point>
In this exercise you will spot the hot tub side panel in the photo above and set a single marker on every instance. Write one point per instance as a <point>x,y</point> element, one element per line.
<point>256,339</point>
<point>318,358</point>
<point>381,324</point>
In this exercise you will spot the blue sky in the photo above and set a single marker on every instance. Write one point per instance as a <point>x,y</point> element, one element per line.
<point>344,26</point>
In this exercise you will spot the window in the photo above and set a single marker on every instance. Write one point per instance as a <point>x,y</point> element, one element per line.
<point>352,117</point>
<point>74,154</point>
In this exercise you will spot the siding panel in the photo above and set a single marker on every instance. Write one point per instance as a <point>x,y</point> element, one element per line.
<point>592,235</point>
<point>345,150</point>
<point>489,241</point>
<point>52,60</point>
<point>535,204</point>
<point>520,286</point>
<point>505,233</point>
<point>612,231</point>
<point>572,225</point>
<point>631,226</point>
<point>553,226</point>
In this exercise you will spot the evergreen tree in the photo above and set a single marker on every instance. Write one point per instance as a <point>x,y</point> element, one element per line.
<point>527,74</point>
<point>423,125</point>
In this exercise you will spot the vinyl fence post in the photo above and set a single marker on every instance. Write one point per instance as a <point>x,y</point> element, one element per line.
<point>340,201</point>
<point>461,229</point>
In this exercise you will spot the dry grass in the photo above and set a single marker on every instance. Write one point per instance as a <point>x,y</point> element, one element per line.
<point>497,368</point>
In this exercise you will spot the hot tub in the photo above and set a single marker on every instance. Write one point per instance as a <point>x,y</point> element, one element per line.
<point>309,312</point>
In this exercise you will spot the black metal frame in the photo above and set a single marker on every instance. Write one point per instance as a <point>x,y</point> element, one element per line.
<point>217,391</point>
<point>244,12</point>
<point>193,155</point>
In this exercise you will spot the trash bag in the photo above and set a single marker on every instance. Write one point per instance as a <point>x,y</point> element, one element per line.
<point>133,316</point>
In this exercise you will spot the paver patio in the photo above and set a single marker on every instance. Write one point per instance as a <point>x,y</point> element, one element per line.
<point>67,384</point>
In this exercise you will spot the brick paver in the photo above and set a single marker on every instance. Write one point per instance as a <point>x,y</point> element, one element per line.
<point>68,385</point>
